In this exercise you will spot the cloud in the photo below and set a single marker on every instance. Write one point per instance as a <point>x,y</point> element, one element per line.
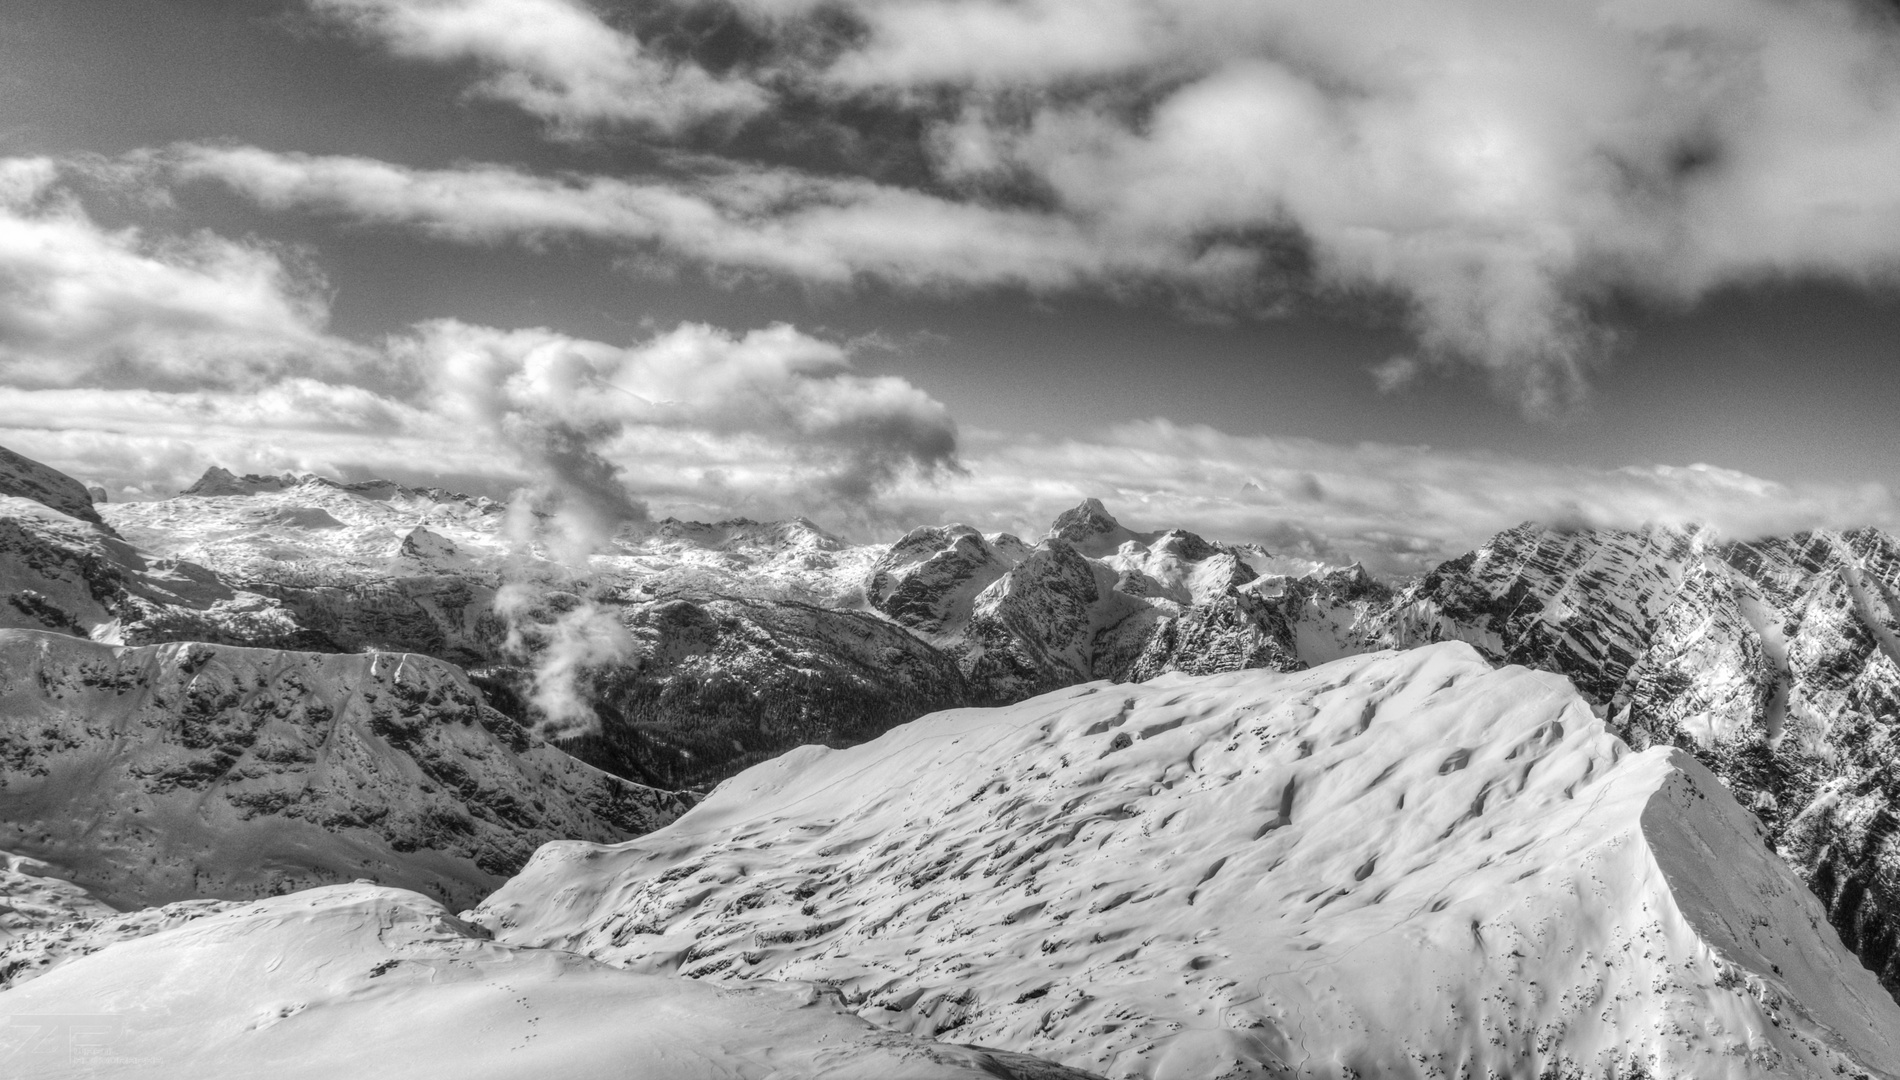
<point>700,419</point>
<point>827,231</point>
<point>1502,170</point>
<point>1501,167</point>
<point>81,303</point>
<point>556,59</point>
<point>563,648</point>
<point>777,391</point>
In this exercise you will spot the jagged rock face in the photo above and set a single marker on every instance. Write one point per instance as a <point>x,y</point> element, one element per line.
<point>362,981</point>
<point>1054,619</point>
<point>1575,602</point>
<point>1233,633</point>
<point>1092,530</point>
<point>24,478</point>
<point>929,580</point>
<point>189,770</point>
<point>1280,623</point>
<point>721,684</point>
<point>1395,865</point>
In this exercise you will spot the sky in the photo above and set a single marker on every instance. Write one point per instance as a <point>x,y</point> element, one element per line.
<point>1356,281</point>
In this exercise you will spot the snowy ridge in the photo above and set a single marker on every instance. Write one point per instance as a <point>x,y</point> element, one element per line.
<point>1393,865</point>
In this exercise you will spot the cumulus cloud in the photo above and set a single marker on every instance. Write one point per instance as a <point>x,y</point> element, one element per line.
<point>770,421</point>
<point>1501,169</point>
<point>557,59</point>
<point>1501,166</point>
<point>775,391</point>
<point>80,302</point>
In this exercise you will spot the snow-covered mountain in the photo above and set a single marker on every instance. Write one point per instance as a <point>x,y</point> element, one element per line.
<point>363,981</point>
<point>158,773</point>
<point>1399,865</point>
<point>1772,661</point>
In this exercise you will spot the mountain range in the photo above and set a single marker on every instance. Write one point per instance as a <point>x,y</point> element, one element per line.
<point>1706,754</point>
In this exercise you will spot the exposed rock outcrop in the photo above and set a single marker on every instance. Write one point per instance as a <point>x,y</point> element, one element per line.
<point>177,771</point>
<point>24,478</point>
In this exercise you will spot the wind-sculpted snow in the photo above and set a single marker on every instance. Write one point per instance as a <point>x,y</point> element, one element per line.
<point>190,770</point>
<point>369,982</point>
<point>1394,865</point>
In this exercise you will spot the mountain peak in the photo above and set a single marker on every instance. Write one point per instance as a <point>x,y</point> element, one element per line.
<point>218,480</point>
<point>1089,526</point>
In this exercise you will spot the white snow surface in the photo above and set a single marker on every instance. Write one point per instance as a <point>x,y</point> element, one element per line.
<point>1394,865</point>
<point>368,982</point>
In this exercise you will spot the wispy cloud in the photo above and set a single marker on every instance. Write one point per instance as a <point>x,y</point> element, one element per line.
<point>826,231</point>
<point>557,59</point>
